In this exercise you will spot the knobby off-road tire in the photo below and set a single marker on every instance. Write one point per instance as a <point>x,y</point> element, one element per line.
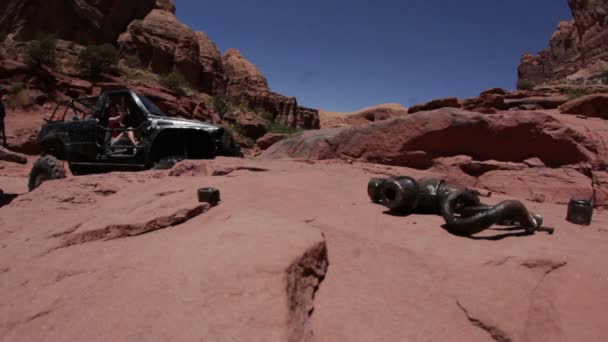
<point>44,169</point>
<point>168,162</point>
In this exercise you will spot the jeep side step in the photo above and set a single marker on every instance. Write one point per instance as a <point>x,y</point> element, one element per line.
<point>113,165</point>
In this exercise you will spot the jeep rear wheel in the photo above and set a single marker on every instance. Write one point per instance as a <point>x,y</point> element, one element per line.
<point>166,163</point>
<point>44,169</point>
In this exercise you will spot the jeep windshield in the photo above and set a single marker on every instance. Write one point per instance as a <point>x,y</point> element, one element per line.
<point>150,106</point>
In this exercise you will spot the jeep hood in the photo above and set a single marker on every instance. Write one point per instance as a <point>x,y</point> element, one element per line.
<point>163,121</point>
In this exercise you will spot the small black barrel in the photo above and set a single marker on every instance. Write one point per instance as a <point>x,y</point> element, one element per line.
<point>580,212</point>
<point>209,195</point>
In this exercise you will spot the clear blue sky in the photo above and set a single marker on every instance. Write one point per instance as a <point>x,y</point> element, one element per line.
<point>343,55</point>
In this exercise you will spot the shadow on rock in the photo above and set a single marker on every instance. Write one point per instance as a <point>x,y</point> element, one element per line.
<point>503,233</point>
<point>6,199</point>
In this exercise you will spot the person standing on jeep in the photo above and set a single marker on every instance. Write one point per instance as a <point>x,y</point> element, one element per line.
<point>2,115</point>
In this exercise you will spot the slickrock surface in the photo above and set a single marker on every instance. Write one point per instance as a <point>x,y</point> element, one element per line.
<point>295,251</point>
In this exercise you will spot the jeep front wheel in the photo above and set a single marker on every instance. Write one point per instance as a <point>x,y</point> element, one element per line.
<point>44,169</point>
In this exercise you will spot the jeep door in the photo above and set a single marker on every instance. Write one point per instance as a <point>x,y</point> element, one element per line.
<point>82,129</point>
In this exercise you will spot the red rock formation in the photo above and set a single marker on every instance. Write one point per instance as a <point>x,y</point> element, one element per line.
<point>210,58</point>
<point>415,140</point>
<point>164,44</point>
<point>246,84</point>
<point>84,21</point>
<point>251,125</point>
<point>436,104</point>
<point>244,78</point>
<point>362,117</point>
<point>155,39</point>
<point>577,49</point>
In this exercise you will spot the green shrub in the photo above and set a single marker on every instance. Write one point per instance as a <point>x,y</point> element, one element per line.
<point>97,59</point>
<point>41,52</point>
<point>525,84</point>
<point>221,104</point>
<point>575,93</point>
<point>15,88</point>
<point>266,116</point>
<point>277,127</point>
<point>174,81</point>
<point>24,99</point>
<point>238,133</point>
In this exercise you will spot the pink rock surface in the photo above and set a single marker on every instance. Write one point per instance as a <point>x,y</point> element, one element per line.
<point>539,184</point>
<point>594,105</point>
<point>416,140</point>
<point>270,139</point>
<point>248,268</point>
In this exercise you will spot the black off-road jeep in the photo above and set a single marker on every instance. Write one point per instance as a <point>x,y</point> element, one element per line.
<point>80,132</point>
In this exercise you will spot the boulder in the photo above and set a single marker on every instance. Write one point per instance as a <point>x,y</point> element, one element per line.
<point>270,139</point>
<point>478,168</point>
<point>82,21</point>
<point>416,140</point>
<point>534,162</point>
<point>436,104</point>
<point>595,105</point>
<point>249,124</point>
<point>539,185</point>
<point>164,44</point>
<point>244,78</point>
<point>493,91</point>
<point>13,157</point>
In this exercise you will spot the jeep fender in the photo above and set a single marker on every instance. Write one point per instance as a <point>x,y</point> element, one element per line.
<point>191,143</point>
<point>56,145</point>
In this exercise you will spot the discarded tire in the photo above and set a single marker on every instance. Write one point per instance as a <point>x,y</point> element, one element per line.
<point>374,188</point>
<point>167,163</point>
<point>209,195</point>
<point>44,169</point>
<point>399,194</point>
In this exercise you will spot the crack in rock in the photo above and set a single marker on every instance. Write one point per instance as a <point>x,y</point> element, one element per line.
<point>66,232</point>
<point>128,230</point>
<point>38,315</point>
<point>494,331</point>
<point>546,265</point>
<point>304,277</point>
<point>227,171</point>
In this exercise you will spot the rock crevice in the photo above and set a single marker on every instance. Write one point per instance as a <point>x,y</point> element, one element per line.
<point>304,277</point>
<point>117,231</point>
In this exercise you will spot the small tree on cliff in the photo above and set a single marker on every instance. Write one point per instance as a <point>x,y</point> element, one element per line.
<point>97,59</point>
<point>41,52</point>
<point>524,84</point>
<point>174,81</point>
